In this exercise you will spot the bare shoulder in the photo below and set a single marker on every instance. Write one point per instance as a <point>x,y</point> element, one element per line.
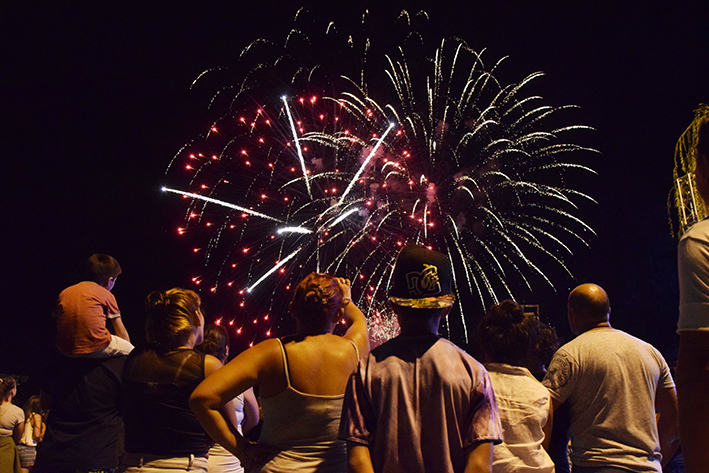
<point>211,364</point>
<point>323,347</point>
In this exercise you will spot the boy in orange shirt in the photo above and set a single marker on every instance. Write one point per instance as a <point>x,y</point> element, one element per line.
<point>83,309</point>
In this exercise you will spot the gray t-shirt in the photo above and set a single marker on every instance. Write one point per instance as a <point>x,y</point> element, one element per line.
<point>610,379</point>
<point>10,416</point>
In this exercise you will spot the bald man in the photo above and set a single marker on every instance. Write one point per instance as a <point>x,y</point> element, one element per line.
<point>614,384</point>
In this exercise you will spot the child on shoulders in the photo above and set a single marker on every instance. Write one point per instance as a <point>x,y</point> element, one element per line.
<point>83,310</point>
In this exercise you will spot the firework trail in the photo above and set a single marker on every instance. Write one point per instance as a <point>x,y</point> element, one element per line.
<point>327,174</point>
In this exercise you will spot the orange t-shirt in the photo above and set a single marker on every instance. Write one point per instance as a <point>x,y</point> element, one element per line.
<point>82,310</point>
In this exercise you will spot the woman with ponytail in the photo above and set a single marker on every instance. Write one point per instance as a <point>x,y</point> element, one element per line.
<point>508,337</point>
<point>162,433</point>
<point>301,380</point>
<point>12,426</point>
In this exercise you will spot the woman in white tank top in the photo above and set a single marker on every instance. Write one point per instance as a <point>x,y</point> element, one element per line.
<point>301,379</point>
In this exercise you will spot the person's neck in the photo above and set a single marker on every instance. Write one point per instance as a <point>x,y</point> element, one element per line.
<point>415,326</point>
<point>307,330</point>
<point>605,324</point>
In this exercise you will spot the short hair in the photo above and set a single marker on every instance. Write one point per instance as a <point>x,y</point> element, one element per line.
<point>507,334</point>
<point>317,296</point>
<point>216,339</point>
<point>7,384</point>
<point>172,315</point>
<point>100,267</point>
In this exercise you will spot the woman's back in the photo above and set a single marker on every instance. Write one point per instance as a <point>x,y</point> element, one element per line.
<point>318,364</point>
<point>301,379</point>
<point>157,417</point>
<point>302,420</point>
<point>524,406</point>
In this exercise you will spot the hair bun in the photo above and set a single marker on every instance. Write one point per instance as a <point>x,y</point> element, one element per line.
<point>316,296</point>
<point>157,298</point>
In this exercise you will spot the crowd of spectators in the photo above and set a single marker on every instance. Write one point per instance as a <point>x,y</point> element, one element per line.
<point>605,402</point>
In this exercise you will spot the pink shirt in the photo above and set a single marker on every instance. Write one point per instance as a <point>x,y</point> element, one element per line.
<point>82,310</point>
<point>419,403</point>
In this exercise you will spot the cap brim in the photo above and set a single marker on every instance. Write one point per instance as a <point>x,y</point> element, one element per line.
<point>438,302</point>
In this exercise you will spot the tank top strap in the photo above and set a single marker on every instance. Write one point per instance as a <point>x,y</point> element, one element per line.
<point>285,361</point>
<point>355,347</point>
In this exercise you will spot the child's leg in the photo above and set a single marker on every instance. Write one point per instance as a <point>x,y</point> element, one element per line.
<point>116,347</point>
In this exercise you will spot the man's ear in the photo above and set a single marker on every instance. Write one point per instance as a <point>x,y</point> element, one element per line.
<point>448,311</point>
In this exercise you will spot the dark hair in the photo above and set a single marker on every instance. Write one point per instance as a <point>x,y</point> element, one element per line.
<point>100,267</point>
<point>172,315</point>
<point>703,139</point>
<point>318,295</point>
<point>547,344</point>
<point>507,335</point>
<point>33,406</point>
<point>7,384</point>
<point>216,339</point>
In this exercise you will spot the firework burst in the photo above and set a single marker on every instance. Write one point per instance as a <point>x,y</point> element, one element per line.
<point>336,176</point>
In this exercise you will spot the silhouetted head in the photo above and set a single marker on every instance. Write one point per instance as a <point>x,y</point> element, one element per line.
<point>102,269</point>
<point>33,406</point>
<point>8,388</point>
<point>173,317</point>
<point>215,343</point>
<point>422,285</point>
<point>507,334</point>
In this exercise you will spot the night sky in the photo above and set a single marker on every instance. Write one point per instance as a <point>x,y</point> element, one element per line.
<point>96,100</point>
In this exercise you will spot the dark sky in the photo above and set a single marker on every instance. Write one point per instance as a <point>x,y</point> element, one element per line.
<point>96,99</point>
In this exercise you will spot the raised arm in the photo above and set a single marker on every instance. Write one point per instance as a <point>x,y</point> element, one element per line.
<point>354,319</point>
